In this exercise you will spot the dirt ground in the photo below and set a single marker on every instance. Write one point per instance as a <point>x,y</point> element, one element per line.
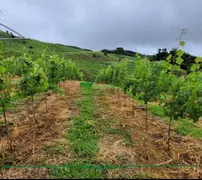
<point>150,146</point>
<point>28,137</point>
<point>35,143</point>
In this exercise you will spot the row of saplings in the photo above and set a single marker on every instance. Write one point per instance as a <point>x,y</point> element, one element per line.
<point>36,76</point>
<point>181,96</point>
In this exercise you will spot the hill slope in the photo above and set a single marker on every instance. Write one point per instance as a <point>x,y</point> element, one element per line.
<point>91,62</point>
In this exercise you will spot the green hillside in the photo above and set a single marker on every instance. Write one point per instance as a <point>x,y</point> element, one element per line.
<point>89,61</point>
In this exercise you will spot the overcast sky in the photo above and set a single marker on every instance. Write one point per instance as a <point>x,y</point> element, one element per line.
<point>141,25</point>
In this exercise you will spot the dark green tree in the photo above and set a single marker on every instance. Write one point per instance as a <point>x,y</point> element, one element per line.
<point>119,52</point>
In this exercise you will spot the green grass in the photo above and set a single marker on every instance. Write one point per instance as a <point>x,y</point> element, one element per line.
<point>15,47</point>
<point>187,127</point>
<point>156,110</point>
<point>83,137</point>
<point>77,170</point>
<point>82,133</point>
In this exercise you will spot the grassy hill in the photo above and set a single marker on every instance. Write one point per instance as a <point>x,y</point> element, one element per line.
<point>90,61</point>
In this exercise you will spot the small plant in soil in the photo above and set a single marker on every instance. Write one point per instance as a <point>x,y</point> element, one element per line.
<point>5,96</point>
<point>33,83</point>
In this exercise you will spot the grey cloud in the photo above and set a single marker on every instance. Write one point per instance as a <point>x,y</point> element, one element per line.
<point>145,25</point>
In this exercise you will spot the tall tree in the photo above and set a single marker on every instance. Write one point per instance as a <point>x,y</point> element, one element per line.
<point>119,52</point>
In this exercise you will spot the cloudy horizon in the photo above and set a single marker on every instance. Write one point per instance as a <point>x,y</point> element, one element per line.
<point>138,25</point>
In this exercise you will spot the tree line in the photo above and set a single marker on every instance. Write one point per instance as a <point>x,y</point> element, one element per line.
<point>161,55</point>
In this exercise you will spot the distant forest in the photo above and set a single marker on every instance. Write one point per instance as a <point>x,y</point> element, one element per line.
<point>161,54</point>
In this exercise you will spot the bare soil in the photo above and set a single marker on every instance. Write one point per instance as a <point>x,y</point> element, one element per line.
<point>28,137</point>
<point>150,147</point>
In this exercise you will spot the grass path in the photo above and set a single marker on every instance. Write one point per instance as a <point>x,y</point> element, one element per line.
<point>86,131</point>
<point>83,137</point>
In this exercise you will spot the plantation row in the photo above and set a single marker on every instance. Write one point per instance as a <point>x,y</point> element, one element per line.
<point>36,76</point>
<point>181,96</point>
